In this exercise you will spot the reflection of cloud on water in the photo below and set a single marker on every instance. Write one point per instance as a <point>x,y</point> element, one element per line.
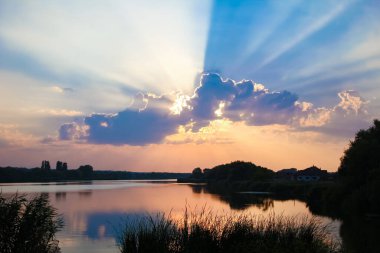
<point>75,244</point>
<point>98,225</point>
<point>102,225</point>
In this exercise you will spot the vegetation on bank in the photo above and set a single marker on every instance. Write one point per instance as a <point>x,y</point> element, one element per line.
<point>207,232</point>
<point>357,192</point>
<point>28,225</point>
<point>86,172</point>
<point>235,171</point>
<point>354,191</point>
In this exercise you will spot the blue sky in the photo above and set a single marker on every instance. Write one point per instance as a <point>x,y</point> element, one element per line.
<point>129,78</point>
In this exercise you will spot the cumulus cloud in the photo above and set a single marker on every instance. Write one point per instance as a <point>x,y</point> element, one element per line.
<point>151,118</point>
<point>241,101</point>
<point>148,120</point>
<point>72,131</point>
<point>343,120</point>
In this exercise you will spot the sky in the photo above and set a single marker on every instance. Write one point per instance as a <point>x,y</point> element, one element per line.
<point>175,84</point>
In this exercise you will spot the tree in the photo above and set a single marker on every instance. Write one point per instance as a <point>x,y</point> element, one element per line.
<point>197,173</point>
<point>359,170</point>
<point>45,165</point>
<point>86,170</point>
<point>59,165</point>
<point>239,171</point>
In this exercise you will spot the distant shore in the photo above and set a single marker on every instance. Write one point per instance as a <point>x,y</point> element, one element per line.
<point>25,175</point>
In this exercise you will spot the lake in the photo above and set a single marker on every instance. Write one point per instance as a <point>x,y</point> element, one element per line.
<point>93,211</point>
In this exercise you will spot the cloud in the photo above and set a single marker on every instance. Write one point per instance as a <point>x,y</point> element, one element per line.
<point>59,112</point>
<point>58,89</point>
<point>151,118</point>
<point>12,136</point>
<point>241,101</point>
<point>343,120</point>
<point>72,131</point>
<point>148,120</point>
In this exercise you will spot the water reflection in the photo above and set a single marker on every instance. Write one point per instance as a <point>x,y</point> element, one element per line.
<point>94,211</point>
<point>102,225</point>
<point>241,200</point>
<point>85,194</point>
<point>60,196</point>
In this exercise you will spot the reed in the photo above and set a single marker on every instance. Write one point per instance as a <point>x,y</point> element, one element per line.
<point>28,225</point>
<point>205,231</point>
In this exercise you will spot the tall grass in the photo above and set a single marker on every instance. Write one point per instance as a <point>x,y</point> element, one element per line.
<point>198,232</point>
<point>28,225</point>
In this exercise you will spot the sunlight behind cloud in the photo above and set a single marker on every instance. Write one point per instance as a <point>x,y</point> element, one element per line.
<point>138,44</point>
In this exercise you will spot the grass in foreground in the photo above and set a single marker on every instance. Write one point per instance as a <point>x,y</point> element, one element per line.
<point>207,232</point>
<point>28,226</point>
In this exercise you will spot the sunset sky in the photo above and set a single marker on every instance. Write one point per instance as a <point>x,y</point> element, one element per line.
<point>175,84</point>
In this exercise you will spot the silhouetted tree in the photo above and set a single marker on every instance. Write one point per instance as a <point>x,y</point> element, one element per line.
<point>359,170</point>
<point>59,165</point>
<point>64,166</point>
<point>197,173</point>
<point>206,172</point>
<point>238,171</point>
<point>86,170</point>
<point>45,165</point>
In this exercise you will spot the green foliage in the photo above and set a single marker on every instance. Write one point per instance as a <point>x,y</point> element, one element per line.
<point>28,226</point>
<point>204,232</point>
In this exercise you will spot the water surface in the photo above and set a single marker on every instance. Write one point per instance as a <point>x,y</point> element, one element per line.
<point>93,211</point>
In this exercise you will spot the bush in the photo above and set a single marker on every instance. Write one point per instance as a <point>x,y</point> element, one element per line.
<point>207,232</point>
<point>28,225</point>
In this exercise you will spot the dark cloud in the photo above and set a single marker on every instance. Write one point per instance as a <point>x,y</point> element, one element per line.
<point>148,120</point>
<point>151,118</point>
<point>131,127</point>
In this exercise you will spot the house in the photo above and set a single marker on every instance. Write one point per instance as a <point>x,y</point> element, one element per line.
<point>312,173</point>
<point>287,174</point>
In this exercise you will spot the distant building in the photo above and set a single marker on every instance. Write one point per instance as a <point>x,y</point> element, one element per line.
<point>286,174</point>
<point>312,173</point>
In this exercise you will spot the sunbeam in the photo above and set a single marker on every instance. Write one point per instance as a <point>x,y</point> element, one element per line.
<point>195,74</point>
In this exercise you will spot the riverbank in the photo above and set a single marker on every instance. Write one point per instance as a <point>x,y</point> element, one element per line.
<point>33,175</point>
